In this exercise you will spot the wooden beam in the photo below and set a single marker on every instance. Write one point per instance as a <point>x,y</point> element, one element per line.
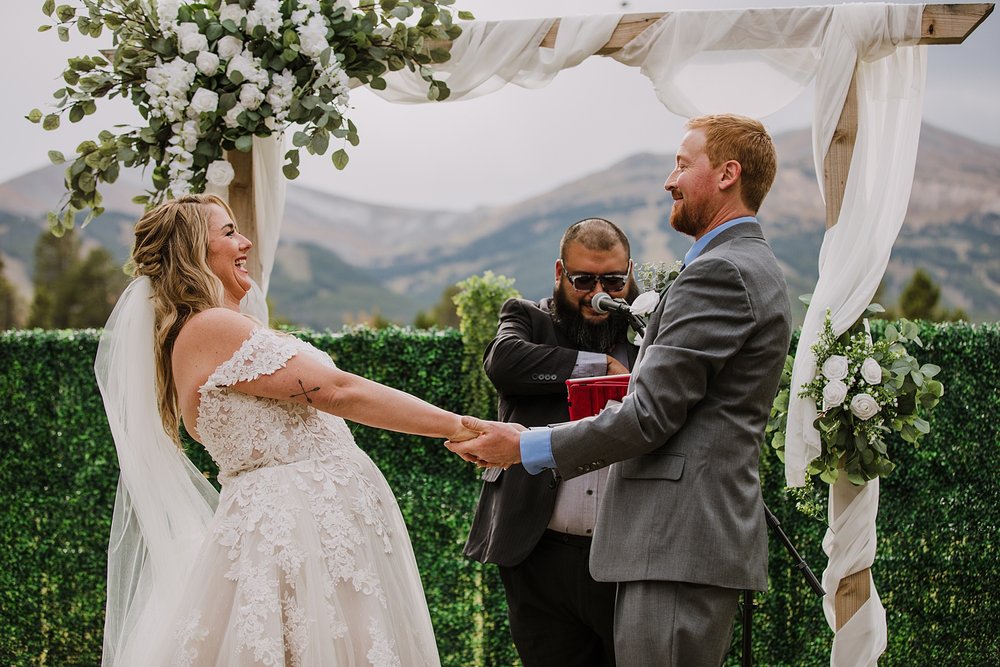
<point>837,162</point>
<point>942,24</point>
<point>243,202</point>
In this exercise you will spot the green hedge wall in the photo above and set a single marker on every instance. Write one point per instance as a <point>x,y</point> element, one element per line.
<point>937,523</point>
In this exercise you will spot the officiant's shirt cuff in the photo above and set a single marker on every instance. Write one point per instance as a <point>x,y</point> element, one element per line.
<point>536,450</point>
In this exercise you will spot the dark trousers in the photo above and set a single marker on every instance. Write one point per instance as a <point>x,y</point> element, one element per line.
<point>558,614</point>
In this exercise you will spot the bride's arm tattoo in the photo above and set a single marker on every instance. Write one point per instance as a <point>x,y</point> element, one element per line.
<point>305,392</point>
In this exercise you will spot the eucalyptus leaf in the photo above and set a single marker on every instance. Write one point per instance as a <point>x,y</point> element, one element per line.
<point>244,143</point>
<point>56,157</point>
<point>51,122</point>
<point>340,158</point>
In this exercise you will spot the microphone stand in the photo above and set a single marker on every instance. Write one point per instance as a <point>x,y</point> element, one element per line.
<point>800,564</point>
<point>637,323</point>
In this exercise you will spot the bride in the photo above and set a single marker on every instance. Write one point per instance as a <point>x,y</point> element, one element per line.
<point>303,559</point>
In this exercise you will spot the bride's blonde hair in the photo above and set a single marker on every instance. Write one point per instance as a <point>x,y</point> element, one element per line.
<point>171,249</point>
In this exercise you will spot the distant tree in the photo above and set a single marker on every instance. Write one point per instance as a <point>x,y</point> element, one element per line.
<point>920,300</point>
<point>73,291</point>
<point>10,303</point>
<point>442,314</point>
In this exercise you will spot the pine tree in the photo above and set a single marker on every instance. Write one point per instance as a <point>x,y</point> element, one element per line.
<point>920,299</point>
<point>70,291</point>
<point>10,303</point>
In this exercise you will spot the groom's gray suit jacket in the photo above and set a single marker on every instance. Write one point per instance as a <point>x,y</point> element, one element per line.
<point>683,501</point>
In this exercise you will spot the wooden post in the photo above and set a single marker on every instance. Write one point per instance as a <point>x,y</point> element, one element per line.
<point>837,163</point>
<point>241,200</point>
<point>854,589</point>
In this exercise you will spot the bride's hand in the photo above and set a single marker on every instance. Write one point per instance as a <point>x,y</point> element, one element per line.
<point>462,434</point>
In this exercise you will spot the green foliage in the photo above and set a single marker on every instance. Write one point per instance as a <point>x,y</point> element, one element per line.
<point>656,276</point>
<point>70,290</point>
<point>231,78</point>
<point>478,303</point>
<point>934,569</point>
<point>442,314</point>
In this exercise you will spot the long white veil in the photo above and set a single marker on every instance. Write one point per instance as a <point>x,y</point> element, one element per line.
<point>164,504</point>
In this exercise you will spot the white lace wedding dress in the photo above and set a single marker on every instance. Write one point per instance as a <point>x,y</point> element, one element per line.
<point>307,562</point>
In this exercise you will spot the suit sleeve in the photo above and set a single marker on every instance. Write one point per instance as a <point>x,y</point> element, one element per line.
<point>517,365</point>
<point>706,318</point>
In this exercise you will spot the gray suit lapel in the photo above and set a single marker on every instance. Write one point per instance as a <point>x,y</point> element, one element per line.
<point>749,230</point>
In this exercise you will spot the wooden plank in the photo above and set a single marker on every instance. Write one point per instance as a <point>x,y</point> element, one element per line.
<point>855,588</point>
<point>942,24</point>
<point>837,162</point>
<point>243,203</point>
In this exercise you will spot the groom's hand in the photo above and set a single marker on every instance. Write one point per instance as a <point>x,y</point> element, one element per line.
<point>498,445</point>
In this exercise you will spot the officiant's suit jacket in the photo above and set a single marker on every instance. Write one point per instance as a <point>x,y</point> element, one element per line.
<point>683,500</point>
<point>528,362</point>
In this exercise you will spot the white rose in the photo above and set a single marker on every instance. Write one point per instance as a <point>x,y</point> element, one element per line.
<point>864,407</point>
<point>193,42</point>
<point>207,63</point>
<point>250,96</point>
<point>834,393</point>
<point>205,101</point>
<point>229,46</point>
<point>645,302</point>
<point>835,367</point>
<point>232,116</point>
<point>871,371</point>
<point>232,13</point>
<point>219,173</point>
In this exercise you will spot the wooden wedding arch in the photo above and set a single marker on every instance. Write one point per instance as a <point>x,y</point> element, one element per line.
<point>941,24</point>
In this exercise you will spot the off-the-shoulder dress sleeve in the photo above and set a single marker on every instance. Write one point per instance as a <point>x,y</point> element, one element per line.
<point>263,353</point>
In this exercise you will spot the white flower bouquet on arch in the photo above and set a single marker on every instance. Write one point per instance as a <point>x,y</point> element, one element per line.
<point>864,390</point>
<point>209,76</point>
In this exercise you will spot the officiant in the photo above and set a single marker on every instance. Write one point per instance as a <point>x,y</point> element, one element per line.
<point>538,528</point>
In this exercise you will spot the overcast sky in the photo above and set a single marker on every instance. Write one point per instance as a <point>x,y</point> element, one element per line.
<point>497,149</point>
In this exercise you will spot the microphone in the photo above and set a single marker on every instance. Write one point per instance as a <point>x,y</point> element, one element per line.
<point>602,302</point>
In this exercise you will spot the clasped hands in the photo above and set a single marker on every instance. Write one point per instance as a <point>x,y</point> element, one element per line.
<point>488,444</point>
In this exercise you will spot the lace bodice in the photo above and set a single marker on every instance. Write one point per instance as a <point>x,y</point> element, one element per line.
<point>244,432</point>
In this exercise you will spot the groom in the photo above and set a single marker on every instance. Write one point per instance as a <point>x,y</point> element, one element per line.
<point>681,528</point>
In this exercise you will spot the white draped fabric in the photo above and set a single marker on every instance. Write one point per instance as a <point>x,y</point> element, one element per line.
<point>752,62</point>
<point>490,54</point>
<point>850,544</point>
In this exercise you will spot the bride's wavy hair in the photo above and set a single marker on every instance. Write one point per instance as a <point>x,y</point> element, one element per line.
<point>171,249</point>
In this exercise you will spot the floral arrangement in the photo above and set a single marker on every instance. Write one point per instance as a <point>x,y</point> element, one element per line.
<point>654,278</point>
<point>864,390</point>
<point>208,76</point>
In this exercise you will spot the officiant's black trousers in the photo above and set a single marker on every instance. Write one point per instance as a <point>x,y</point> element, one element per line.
<point>558,614</point>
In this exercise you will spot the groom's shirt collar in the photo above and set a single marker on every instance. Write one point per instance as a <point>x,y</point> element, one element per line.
<point>700,245</point>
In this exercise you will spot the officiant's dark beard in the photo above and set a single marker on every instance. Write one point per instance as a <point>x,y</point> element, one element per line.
<point>589,336</point>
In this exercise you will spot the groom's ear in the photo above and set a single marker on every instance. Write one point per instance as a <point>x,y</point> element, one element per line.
<point>730,174</point>
<point>559,270</point>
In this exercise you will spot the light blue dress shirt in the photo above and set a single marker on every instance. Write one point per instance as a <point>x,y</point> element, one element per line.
<point>536,443</point>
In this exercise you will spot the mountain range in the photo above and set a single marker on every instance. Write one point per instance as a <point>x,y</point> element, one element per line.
<point>341,260</point>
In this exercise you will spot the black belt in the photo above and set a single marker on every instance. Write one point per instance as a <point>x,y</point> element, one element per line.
<point>582,541</point>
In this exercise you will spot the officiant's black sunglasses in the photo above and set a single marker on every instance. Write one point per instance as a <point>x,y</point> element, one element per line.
<point>585,282</point>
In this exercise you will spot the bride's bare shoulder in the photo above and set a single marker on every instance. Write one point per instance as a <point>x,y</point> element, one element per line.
<point>212,336</point>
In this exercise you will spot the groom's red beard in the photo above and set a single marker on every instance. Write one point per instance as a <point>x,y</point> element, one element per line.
<point>586,335</point>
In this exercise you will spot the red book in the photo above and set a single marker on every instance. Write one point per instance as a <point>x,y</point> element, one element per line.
<point>588,396</point>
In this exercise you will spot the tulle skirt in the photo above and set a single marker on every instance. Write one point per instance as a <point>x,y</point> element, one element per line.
<point>307,565</point>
